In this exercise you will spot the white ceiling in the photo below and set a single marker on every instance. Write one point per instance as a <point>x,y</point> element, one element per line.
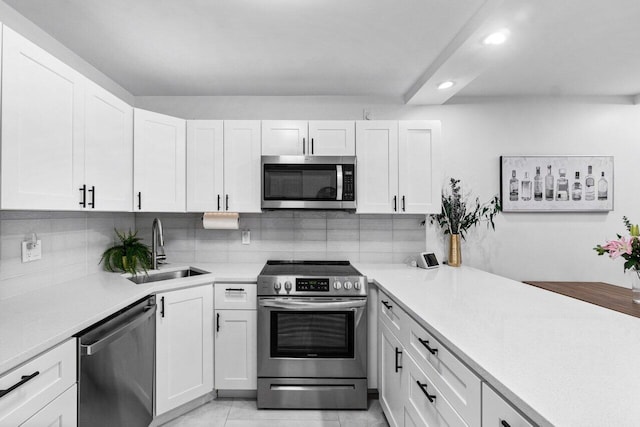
<point>355,47</point>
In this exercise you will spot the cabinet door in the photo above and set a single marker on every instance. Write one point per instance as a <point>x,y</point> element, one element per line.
<point>284,138</point>
<point>498,413</point>
<point>184,346</point>
<point>332,138</point>
<point>108,151</point>
<point>242,166</point>
<point>391,377</point>
<point>159,162</point>
<point>205,163</point>
<point>419,166</point>
<point>42,126</point>
<point>377,168</point>
<point>62,412</point>
<point>236,346</point>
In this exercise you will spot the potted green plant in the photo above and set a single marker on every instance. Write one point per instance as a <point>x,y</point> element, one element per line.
<point>129,256</point>
<point>460,213</point>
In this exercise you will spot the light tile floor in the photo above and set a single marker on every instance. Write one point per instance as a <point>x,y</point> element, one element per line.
<point>244,413</point>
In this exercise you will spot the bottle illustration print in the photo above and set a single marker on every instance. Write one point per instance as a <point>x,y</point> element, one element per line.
<point>537,185</point>
<point>548,185</point>
<point>590,185</point>
<point>603,188</point>
<point>562,192</point>
<point>526,187</point>
<point>513,187</point>
<point>576,191</point>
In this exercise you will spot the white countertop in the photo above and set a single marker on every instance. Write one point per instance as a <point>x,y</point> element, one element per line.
<point>563,361</point>
<point>34,322</point>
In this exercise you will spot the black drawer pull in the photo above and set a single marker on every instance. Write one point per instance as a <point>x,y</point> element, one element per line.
<point>503,423</point>
<point>218,202</point>
<point>139,200</point>
<point>426,344</point>
<point>162,307</point>
<point>23,380</point>
<point>226,207</point>
<point>93,197</point>
<point>234,289</point>
<point>83,190</point>
<point>423,387</point>
<point>386,304</point>
<point>403,206</point>
<point>398,353</point>
<point>395,203</point>
<point>217,322</point>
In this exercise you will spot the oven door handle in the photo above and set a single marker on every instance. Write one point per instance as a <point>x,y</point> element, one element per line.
<point>312,305</point>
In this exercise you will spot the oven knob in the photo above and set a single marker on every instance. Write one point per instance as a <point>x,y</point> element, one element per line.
<point>357,285</point>
<point>337,285</point>
<point>348,285</point>
<point>277,286</point>
<point>287,286</point>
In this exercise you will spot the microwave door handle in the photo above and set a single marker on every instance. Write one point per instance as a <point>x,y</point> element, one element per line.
<point>339,182</point>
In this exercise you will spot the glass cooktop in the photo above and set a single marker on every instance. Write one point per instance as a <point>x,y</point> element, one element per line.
<point>309,268</point>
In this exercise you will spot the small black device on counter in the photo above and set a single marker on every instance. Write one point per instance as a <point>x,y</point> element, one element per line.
<point>427,260</point>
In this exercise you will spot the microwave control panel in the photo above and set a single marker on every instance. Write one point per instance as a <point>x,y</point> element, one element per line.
<point>348,183</point>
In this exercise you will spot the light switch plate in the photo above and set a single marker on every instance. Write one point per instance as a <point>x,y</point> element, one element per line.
<point>31,252</point>
<point>246,237</point>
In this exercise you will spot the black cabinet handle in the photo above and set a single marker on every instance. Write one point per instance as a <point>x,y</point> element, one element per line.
<point>423,387</point>
<point>304,142</point>
<point>503,423</point>
<point>386,304</point>
<point>234,289</point>
<point>226,201</point>
<point>426,344</point>
<point>218,202</point>
<point>403,206</point>
<point>398,353</point>
<point>162,307</point>
<point>83,190</point>
<point>23,380</point>
<point>217,322</point>
<point>311,145</point>
<point>93,197</point>
<point>139,200</point>
<point>395,203</point>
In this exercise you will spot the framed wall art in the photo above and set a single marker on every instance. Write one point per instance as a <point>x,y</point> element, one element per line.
<point>556,183</point>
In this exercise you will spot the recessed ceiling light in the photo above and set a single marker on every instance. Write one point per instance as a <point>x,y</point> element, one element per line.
<point>497,38</point>
<point>446,85</point>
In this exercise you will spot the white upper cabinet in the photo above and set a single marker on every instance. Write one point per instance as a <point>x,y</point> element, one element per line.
<point>42,133</point>
<point>159,162</point>
<point>377,168</point>
<point>108,151</point>
<point>313,138</point>
<point>332,138</point>
<point>419,167</point>
<point>399,166</point>
<point>284,137</point>
<point>205,165</point>
<point>242,166</point>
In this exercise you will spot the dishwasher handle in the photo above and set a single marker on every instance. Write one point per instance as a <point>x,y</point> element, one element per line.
<point>111,336</point>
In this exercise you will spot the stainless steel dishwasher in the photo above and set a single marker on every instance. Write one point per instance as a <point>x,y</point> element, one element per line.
<point>116,368</point>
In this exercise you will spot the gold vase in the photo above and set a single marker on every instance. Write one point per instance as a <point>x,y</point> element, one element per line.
<point>455,256</point>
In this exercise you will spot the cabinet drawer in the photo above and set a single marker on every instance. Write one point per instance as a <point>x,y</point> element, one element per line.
<point>392,316</point>
<point>62,412</point>
<point>235,296</point>
<point>459,385</point>
<point>496,412</point>
<point>56,372</point>
<point>418,406</point>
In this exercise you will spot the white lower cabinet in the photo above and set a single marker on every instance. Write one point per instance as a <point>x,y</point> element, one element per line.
<point>37,384</point>
<point>236,337</point>
<point>391,379</point>
<point>496,412</point>
<point>62,412</point>
<point>184,346</point>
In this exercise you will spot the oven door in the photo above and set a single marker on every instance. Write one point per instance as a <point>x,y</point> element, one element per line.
<point>312,337</point>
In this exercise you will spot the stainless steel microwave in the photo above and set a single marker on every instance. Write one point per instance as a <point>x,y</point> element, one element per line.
<point>309,182</point>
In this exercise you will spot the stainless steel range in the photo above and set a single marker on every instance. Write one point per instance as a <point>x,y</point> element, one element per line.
<point>312,335</point>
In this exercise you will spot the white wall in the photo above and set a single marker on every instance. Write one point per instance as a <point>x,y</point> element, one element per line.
<point>541,246</point>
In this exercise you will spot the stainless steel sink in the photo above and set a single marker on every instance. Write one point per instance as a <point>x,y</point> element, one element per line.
<point>166,275</point>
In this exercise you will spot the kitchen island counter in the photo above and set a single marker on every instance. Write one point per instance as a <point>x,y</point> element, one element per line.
<point>562,361</point>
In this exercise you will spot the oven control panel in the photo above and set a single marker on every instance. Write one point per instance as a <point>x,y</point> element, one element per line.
<point>312,285</point>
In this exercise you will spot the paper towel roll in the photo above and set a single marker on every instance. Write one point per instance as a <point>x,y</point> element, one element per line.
<point>221,220</point>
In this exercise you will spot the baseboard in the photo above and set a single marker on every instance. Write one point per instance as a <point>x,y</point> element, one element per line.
<point>181,410</point>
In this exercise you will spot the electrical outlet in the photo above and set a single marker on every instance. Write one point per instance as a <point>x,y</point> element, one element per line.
<point>31,251</point>
<point>246,237</point>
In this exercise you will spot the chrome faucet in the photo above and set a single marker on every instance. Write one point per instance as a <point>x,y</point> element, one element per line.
<point>157,244</point>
